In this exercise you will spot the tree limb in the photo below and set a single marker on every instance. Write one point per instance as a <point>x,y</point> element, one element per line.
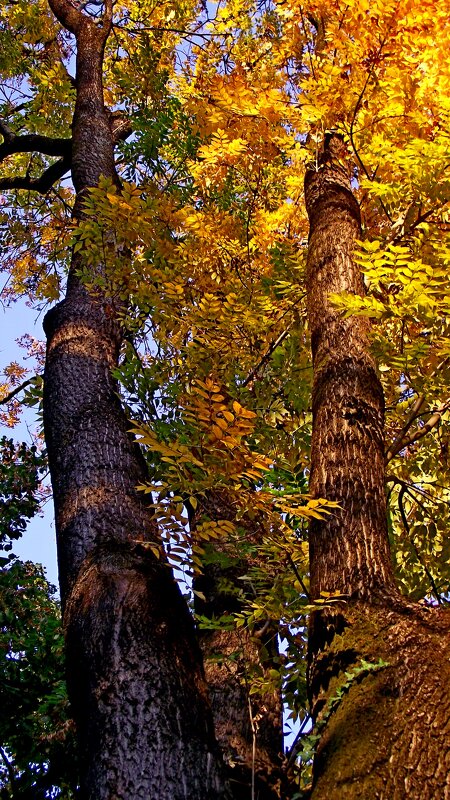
<point>67,14</point>
<point>414,436</point>
<point>44,183</point>
<point>413,545</point>
<point>10,770</point>
<point>266,355</point>
<point>121,128</point>
<point>413,414</point>
<point>11,395</point>
<point>32,143</point>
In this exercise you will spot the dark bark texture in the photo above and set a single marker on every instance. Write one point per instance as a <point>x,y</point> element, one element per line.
<point>248,727</point>
<point>379,671</point>
<point>349,550</point>
<point>387,738</point>
<point>134,668</point>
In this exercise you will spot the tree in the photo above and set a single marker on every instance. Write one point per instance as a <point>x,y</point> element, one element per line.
<point>38,754</point>
<point>372,651</point>
<point>137,691</point>
<point>211,248</point>
<point>36,735</point>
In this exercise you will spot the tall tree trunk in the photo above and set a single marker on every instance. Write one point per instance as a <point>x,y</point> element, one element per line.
<point>134,667</point>
<point>379,670</point>
<point>248,727</point>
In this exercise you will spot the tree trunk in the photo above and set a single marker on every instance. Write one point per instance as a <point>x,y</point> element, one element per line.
<point>134,667</point>
<point>249,728</point>
<point>349,553</point>
<point>379,669</point>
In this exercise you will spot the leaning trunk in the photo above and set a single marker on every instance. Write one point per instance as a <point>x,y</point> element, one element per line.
<point>134,668</point>
<point>379,670</point>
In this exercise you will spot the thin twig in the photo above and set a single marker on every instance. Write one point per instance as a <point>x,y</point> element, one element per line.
<point>253,727</point>
<point>15,391</point>
<point>413,545</point>
<point>294,748</point>
<point>298,576</point>
<point>267,355</point>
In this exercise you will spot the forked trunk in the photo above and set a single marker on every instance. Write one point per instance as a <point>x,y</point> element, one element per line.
<point>379,672</point>
<point>134,668</point>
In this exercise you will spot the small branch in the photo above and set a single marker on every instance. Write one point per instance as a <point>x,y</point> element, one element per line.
<point>298,576</point>
<point>421,218</point>
<point>253,728</point>
<point>259,634</point>
<point>267,355</point>
<point>355,113</point>
<point>427,426</point>
<point>10,770</point>
<point>295,747</point>
<point>413,414</point>
<point>413,545</point>
<point>44,183</point>
<point>405,441</point>
<point>15,392</point>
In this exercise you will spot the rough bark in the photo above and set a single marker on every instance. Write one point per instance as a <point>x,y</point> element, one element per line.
<point>388,737</point>
<point>248,727</point>
<point>134,668</point>
<point>379,670</point>
<point>349,551</point>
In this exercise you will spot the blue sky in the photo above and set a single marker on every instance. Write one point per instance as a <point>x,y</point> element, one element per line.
<point>38,543</point>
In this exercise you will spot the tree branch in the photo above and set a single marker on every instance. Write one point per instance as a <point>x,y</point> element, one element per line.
<point>10,770</point>
<point>44,183</point>
<point>67,14</point>
<point>414,436</point>
<point>299,577</point>
<point>32,143</point>
<point>121,128</point>
<point>413,545</point>
<point>267,355</point>
<point>413,414</point>
<point>14,392</point>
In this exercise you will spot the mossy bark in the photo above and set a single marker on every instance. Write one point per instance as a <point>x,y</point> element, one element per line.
<point>387,738</point>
